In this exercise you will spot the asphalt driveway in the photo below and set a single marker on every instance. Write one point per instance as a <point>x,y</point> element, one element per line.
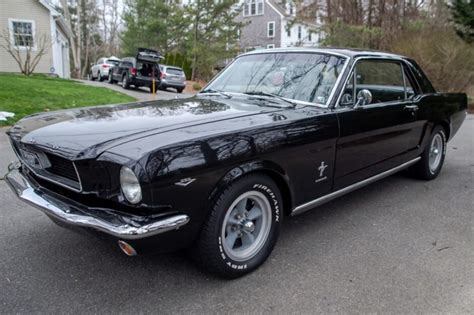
<point>142,94</point>
<point>397,246</point>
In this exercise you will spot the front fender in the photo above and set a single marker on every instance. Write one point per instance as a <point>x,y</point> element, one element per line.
<point>269,168</point>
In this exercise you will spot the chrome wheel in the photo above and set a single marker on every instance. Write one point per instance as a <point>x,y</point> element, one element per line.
<point>124,81</point>
<point>436,152</point>
<point>246,226</point>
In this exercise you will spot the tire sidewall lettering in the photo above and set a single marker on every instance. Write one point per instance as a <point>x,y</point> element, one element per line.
<point>272,198</point>
<point>275,206</point>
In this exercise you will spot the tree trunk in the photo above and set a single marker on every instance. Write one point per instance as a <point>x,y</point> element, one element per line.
<point>195,39</point>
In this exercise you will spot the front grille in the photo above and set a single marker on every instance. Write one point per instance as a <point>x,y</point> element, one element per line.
<point>62,167</point>
<point>47,166</point>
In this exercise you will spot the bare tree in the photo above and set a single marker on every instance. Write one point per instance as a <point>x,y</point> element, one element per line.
<point>110,18</point>
<point>26,49</point>
<point>75,46</point>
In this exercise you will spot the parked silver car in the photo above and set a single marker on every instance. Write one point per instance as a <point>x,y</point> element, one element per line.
<point>172,77</point>
<point>100,70</point>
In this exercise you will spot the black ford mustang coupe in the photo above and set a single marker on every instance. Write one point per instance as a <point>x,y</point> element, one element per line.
<point>276,133</point>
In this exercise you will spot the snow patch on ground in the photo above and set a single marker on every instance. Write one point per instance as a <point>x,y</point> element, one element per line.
<point>5,115</point>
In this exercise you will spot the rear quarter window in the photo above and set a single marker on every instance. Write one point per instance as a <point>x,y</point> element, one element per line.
<point>174,71</point>
<point>112,62</point>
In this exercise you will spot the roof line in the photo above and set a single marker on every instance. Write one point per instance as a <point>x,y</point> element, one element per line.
<point>48,6</point>
<point>274,8</point>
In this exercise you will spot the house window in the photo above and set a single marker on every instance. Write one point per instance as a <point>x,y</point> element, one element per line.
<point>292,9</point>
<point>310,38</point>
<point>22,33</point>
<point>247,49</point>
<point>288,31</point>
<point>270,46</point>
<point>253,7</point>
<point>299,32</point>
<point>271,29</point>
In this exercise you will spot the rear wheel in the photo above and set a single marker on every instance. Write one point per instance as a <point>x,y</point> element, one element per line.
<point>242,228</point>
<point>111,79</point>
<point>125,82</point>
<point>432,159</point>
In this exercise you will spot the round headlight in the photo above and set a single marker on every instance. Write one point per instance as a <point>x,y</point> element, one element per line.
<point>130,185</point>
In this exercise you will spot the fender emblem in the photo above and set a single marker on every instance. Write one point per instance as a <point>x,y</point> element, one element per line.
<point>185,182</point>
<point>321,170</point>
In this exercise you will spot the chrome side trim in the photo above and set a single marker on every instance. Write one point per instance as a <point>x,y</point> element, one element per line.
<point>71,213</point>
<point>326,198</point>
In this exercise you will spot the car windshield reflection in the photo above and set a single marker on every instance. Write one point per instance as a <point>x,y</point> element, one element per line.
<point>306,77</point>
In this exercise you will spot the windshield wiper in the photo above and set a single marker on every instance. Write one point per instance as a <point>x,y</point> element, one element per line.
<point>260,93</point>
<point>209,91</point>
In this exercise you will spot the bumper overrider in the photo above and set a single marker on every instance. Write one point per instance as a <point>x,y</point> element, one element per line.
<point>70,213</point>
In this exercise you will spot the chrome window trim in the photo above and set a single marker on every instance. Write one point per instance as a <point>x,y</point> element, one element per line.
<point>357,59</point>
<point>305,51</point>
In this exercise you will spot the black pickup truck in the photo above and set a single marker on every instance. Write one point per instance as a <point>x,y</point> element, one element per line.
<point>138,71</point>
<point>277,133</point>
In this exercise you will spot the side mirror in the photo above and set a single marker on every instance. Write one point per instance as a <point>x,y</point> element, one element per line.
<point>364,97</point>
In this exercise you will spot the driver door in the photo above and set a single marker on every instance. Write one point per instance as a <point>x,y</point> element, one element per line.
<point>373,136</point>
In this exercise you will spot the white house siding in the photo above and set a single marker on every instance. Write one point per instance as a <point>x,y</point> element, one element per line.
<point>25,10</point>
<point>61,53</point>
<point>293,40</point>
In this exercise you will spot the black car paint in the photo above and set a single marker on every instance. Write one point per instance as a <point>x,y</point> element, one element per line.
<point>216,140</point>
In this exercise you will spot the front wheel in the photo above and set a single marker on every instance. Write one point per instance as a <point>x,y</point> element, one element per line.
<point>242,228</point>
<point>432,159</point>
<point>111,78</point>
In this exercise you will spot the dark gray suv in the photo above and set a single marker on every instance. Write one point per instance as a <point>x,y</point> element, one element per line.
<point>138,71</point>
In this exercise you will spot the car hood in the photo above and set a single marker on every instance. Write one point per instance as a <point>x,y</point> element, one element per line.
<point>87,132</point>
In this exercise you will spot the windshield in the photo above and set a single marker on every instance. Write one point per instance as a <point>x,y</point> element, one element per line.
<point>308,77</point>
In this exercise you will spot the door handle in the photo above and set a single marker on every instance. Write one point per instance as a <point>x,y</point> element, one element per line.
<point>411,107</point>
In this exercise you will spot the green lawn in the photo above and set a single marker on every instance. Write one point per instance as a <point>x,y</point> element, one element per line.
<point>26,95</point>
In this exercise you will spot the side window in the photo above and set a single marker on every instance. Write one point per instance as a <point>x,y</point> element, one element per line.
<point>385,80</point>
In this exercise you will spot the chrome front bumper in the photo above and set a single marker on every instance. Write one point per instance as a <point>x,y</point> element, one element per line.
<point>75,214</point>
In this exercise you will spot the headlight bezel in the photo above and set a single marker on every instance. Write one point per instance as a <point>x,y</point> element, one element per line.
<point>130,185</point>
